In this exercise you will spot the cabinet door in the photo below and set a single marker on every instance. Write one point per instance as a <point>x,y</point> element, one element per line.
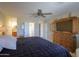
<point>66,40</point>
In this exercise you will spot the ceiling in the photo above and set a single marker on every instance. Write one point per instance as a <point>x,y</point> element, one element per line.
<point>25,8</point>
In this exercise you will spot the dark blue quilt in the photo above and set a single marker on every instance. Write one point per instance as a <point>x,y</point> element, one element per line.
<point>37,47</point>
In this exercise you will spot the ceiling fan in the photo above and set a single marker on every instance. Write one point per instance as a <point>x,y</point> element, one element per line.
<point>40,13</point>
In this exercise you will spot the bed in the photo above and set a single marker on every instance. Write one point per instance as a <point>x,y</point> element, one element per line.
<point>35,47</point>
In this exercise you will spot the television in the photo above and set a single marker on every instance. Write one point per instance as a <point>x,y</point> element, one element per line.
<point>64,26</point>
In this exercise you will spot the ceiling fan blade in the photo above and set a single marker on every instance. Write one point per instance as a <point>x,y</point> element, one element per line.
<point>39,16</point>
<point>47,13</point>
<point>34,14</point>
<point>43,16</point>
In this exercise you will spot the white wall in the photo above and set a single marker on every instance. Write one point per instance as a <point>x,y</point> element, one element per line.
<point>46,27</point>
<point>2,18</point>
<point>19,26</point>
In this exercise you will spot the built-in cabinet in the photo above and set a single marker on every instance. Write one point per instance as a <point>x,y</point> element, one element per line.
<point>64,32</point>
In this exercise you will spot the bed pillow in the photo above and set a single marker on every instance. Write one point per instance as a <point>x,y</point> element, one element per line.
<point>8,42</point>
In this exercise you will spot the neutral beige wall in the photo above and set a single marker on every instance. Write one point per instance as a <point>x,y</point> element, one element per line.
<point>2,18</point>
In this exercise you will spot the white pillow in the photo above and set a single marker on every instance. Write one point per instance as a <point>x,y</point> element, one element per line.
<point>1,48</point>
<point>8,42</point>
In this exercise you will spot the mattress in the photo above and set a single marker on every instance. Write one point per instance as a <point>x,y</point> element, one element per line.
<point>36,47</point>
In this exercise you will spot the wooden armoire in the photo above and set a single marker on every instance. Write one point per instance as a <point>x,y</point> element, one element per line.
<point>64,32</point>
